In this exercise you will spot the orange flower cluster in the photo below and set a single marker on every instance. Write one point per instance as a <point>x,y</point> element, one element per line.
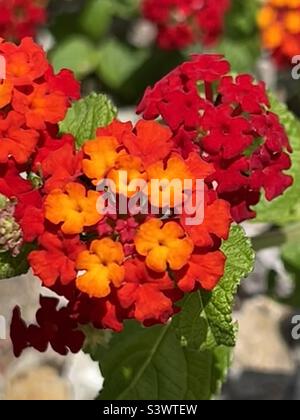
<point>32,102</point>
<point>136,265</point>
<point>279,22</point>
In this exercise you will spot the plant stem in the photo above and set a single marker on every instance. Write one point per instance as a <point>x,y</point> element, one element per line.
<point>277,237</point>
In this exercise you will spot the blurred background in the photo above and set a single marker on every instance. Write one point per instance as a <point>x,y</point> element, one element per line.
<point>117,47</point>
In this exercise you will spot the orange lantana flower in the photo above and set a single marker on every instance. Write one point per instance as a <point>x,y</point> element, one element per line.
<point>151,141</point>
<point>72,207</point>
<point>103,154</point>
<point>171,181</point>
<point>163,245</point>
<point>6,88</point>
<point>103,266</point>
<point>279,21</point>
<point>133,168</point>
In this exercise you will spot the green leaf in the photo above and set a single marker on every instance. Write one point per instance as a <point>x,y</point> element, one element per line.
<point>117,62</point>
<point>241,19</point>
<point>143,363</point>
<point>290,253</point>
<point>240,42</point>
<point>96,17</point>
<point>127,9</point>
<point>207,370</point>
<point>76,53</point>
<point>242,54</point>
<point>150,364</point>
<point>206,318</point>
<point>14,266</point>
<point>183,360</point>
<point>86,115</point>
<point>286,208</point>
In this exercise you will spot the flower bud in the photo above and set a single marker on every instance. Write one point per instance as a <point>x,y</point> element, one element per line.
<point>10,231</point>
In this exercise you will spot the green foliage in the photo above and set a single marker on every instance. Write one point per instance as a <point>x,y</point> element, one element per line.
<point>127,8</point>
<point>86,115</point>
<point>117,62</point>
<point>241,19</point>
<point>94,43</point>
<point>146,364</point>
<point>241,54</point>
<point>286,208</point>
<point>96,17</point>
<point>76,53</point>
<point>290,253</point>
<point>185,359</point>
<point>14,266</point>
<point>240,42</point>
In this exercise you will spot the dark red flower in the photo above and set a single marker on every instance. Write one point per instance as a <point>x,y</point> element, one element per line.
<point>101,313</point>
<point>54,326</point>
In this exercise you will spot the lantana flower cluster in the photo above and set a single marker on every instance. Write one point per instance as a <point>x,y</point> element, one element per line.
<point>21,18</point>
<point>32,101</point>
<point>181,23</point>
<point>227,121</point>
<point>279,22</point>
<point>113,265</point>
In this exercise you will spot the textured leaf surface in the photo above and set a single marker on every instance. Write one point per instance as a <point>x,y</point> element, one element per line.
<point>206,318</point>
<point>86,115</point>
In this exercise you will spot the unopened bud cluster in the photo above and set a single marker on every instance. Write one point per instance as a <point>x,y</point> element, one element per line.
<point>10,232</point>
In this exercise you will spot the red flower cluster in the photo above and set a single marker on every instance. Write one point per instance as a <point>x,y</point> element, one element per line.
<point>112,267</point>
<point>227,120</point>
<point>21,18</point>
<point>184,22</point>
<point>32,101</point>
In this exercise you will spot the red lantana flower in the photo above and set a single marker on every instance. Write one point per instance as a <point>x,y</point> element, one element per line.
<point>21,18</point>
<point>181,23</point>
<point>229,122</point>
